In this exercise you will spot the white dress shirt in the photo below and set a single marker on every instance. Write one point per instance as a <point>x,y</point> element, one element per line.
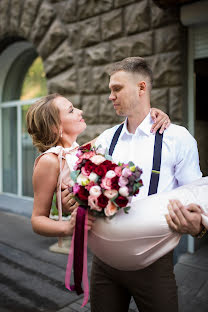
<point>179,159</point>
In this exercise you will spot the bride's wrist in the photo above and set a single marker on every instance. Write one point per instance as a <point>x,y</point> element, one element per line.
<point>68,228</point>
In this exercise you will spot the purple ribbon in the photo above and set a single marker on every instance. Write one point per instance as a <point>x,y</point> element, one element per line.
<point>79,249</point>
<point>78,256</point>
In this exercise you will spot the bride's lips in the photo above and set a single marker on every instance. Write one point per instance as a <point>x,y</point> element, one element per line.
<point>82,120</point>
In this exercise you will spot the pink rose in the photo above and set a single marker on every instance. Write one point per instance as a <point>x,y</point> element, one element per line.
<point>88,187</point>
<point>79,153</point>
<point>123,181</point>
<point>93,203</point>
<point>106,183</point>
<point>88,155</point>
<point>126,172</point>
<point>84,172</point>
<point>118,171</point>
<point>76,188</point>
<point>111,209</point>
<point>110,193</point>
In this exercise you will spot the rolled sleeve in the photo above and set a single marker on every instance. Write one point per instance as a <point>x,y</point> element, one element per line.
<point>187,168</point>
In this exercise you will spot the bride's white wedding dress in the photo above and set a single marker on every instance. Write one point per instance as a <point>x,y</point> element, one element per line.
<point>135,240</point>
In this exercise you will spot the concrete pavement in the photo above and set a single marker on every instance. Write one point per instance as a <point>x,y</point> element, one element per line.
<point>32,277</point>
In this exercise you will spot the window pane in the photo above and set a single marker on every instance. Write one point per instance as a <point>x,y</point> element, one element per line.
<point>29,153</point>
<point>9,140</point>
<point>34,84</point>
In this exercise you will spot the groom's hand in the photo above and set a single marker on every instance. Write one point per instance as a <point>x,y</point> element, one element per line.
<point>67,200</point>
<point>184,219</point>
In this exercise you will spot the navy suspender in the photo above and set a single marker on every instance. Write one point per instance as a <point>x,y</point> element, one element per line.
<point>156,164</point>
<point>156,158</point>
<point>115,139</point>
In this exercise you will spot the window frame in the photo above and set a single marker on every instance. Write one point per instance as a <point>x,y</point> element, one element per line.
<point>15,61</point>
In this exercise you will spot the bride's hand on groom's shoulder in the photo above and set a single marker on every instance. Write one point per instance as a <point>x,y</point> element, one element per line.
<point>184,219</point>
<point>161,120</point>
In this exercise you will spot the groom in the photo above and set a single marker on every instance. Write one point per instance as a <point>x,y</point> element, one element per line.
<point>153,288</point>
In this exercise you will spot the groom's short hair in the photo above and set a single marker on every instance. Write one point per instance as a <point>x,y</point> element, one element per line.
<point>136,65</point>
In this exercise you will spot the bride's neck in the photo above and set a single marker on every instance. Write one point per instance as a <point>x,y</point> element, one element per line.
<point>67,141</point>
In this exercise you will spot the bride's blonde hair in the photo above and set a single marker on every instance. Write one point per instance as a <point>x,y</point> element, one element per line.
<point>43,122</point>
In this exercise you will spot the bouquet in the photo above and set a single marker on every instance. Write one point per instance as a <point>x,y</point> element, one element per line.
<point>101,187</point>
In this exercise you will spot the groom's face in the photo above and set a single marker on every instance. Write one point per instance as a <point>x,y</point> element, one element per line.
<point>124,93</point>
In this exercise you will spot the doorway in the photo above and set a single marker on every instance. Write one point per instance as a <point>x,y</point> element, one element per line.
<point>201,111</point>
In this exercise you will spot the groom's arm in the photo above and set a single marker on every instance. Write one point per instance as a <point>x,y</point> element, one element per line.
<point>184,219</point>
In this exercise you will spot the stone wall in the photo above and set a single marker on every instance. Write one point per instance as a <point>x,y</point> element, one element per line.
<point>79,39</point>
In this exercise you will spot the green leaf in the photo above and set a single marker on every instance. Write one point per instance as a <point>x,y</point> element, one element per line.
<point>126,209</point>
<point>112,199</point>
<point>74,175</point>
<point>80,201</point>
<point>108,157</point>
<point>116,204</point>
<point>130,164</point>
<point>99,146</point>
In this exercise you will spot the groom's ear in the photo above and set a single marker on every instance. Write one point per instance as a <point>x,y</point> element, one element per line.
<point>142,87</point>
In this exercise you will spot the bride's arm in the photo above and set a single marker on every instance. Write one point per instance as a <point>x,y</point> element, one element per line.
<point>184,219</point>
<point>160,118</point>
<point>44,184</point>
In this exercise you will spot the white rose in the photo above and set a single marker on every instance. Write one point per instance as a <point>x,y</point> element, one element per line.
<point>124,191</point>
<point>97,159</point>
<point>110,193</point>
<point>110,174</point>
<point>93,177</point>
<point>82,180</point>
<point>95,191</point>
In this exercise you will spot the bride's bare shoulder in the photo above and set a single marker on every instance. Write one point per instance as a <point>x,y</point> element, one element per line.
<point>48,161</point>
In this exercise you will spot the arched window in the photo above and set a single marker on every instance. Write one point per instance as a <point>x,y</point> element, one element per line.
<point>21,83</point>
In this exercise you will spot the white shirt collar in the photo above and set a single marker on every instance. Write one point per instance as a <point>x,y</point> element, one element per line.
<point>144,127</point>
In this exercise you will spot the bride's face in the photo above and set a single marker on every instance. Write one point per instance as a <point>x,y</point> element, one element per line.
<point>72,122</point>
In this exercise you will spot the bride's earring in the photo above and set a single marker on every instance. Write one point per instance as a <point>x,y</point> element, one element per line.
<point>61,133</point>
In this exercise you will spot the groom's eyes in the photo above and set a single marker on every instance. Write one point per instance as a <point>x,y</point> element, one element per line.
<point>116,89</point>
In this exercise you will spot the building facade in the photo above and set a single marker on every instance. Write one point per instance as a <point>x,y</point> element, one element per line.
<point>77,40</point>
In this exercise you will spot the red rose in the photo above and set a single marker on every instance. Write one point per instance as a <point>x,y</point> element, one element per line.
<point>85,147</point>
<point>83,194</point>
<point>121,201</point>
<point>102,201</point>
<point>109,165</point>
<point>114,183</point>
<point>101,170</point>
<point>89,166</point>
